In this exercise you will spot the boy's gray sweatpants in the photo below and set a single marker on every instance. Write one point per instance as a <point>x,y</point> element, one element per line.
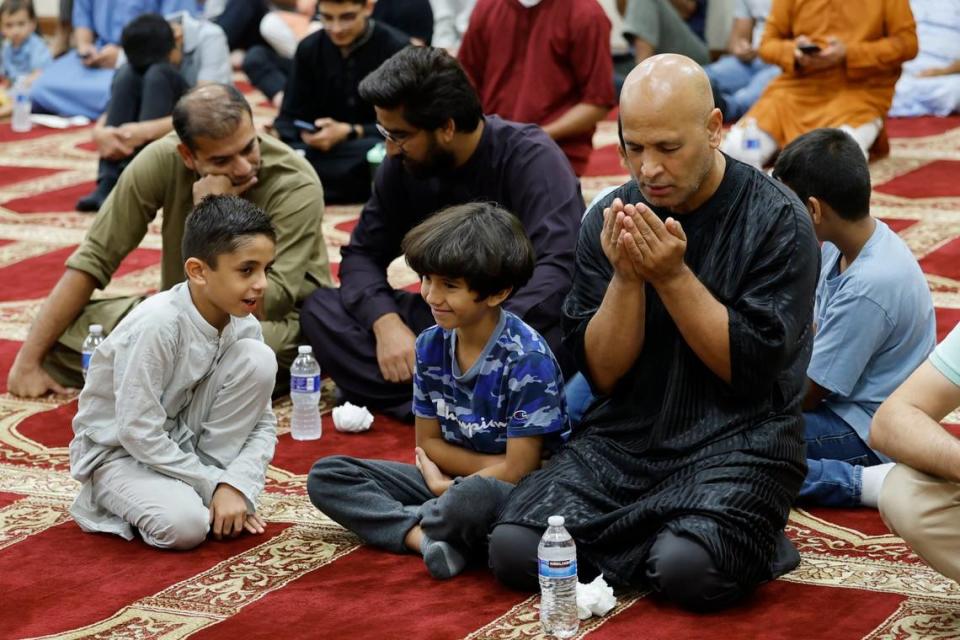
<point>381,501</point>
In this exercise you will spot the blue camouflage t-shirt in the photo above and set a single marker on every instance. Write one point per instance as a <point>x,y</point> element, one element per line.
<point>514,389</point>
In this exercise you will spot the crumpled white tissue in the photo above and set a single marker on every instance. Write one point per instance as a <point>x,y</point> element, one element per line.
<point>595,599</point>
<point>351,418</point>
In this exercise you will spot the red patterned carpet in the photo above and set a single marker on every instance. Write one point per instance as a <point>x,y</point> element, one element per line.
<point>308,578</point>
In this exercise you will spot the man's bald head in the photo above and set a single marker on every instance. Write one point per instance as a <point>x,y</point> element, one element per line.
<point>212,111</point>
<point>668,84</point>
<point>670,131</point>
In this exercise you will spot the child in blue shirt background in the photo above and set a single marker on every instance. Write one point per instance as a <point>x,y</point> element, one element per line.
<point>488,400</point>
<point>24,53</point>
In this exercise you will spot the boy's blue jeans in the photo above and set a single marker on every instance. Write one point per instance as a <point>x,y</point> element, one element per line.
<point>836,456</point>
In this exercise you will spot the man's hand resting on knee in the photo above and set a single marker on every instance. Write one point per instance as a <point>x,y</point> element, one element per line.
<point>31,382</point>
<point>396,345</point>
<point>228,514</point>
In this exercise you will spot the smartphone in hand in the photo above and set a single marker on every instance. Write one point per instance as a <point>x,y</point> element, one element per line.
<point>303,125</point>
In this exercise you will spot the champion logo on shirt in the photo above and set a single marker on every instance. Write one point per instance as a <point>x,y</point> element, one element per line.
<point>520,415</point>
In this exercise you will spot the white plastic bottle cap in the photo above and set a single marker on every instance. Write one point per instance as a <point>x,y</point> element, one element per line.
<point>305,348</point>
<point>555,521</point>
<point>96,329</point>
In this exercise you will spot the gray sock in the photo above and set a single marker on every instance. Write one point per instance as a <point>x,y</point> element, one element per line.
<point>442,560</point>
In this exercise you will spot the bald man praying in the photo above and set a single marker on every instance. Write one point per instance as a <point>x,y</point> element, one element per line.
<point>690,315</point>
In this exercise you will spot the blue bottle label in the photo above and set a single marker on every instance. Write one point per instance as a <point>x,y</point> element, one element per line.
<point>558,568</point>
<point>305,384</point>
<point>85,359</point>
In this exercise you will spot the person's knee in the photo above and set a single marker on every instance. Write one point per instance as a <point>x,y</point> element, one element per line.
<point>513,556</point>
<point>254,362</point>
<point>683,571</point>
<point>472,503</point>
<point>125,77</point>
<point>903,503</point>
<point>327,477</point>
<point>159,74</point>
<point>255,59</point>
<point>178,528</point>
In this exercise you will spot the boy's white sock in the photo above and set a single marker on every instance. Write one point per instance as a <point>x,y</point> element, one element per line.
<point>872,482</point>
<point>442,560</point>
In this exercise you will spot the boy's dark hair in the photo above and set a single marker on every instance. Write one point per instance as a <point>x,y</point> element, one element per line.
<point>829,165</point>
<point>219,225</point>
<point>479,242</point>
<point>12,6</point>
<point>429,84</point>
<point>210,110</point>
<point>147,40</point>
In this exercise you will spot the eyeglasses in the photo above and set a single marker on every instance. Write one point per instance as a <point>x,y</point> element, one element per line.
<point>398,139</point>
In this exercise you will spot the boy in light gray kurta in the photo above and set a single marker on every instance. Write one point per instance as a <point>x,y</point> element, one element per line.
<point>175,428</point>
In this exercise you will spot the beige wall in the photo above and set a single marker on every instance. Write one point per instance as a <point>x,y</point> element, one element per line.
<point>47,8</point>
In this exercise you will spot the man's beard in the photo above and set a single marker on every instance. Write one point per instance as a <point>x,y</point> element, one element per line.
<point>438,162</point>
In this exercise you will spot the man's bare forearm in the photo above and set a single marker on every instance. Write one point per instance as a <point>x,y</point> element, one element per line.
<point>59,310</point>
<point>84,37</point>
<point>702,320</point>
<point>614,336</point>
<point>908,435</point>
<point>580,118</point>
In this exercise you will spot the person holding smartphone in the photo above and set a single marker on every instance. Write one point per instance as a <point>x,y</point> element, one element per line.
<point>840,62</point>
<point>322,112</point>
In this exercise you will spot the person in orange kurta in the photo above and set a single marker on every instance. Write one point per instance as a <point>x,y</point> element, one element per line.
<point>845,81</point>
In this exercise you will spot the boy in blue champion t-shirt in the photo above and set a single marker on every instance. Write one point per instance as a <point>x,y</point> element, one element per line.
<point>488,400</point>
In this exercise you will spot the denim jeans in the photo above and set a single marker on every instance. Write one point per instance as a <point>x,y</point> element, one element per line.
<point>740,83</point>
<point>578,397</point>
<point>836,456</point>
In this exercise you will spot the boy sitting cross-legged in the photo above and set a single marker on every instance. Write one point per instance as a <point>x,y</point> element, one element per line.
<point>488,400</point>
<point>175,428</point>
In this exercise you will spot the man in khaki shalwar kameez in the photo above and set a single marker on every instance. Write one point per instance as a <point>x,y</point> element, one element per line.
<point>846,83</point>
<point>215,151</point>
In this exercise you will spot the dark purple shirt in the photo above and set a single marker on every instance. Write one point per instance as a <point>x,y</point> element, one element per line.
<point>515,165</point>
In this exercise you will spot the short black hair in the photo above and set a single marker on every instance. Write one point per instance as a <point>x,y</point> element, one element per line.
<point>479,242</point>
<point>211,110</point>
<point>147,40</point>
<point>219,225</point>
<point>829,165</point>
<point>12,6</point>
<point>429,84</point>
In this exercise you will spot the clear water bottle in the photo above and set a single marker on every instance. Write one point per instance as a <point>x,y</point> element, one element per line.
<point>90,344</point>
<point>751,144</point>
<point>20,123</point>
<point>305,394</point>
<point>557,560</point>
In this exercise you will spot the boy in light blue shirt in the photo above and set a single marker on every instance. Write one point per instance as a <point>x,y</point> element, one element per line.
<point>873,318</point>
<point>24,53</point>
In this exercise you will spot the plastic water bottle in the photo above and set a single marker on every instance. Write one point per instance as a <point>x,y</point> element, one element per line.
<point>305,394</point>
<point>20,123</point>
<point>557,559</point>
<point>751,144</point>
<point>90,344</point>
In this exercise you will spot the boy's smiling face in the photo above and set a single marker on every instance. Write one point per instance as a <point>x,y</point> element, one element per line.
<point>453,304</point>
<point>238,283</point>
<point>17,26</point>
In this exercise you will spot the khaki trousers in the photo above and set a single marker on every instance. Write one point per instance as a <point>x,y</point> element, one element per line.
<point>924,510</point>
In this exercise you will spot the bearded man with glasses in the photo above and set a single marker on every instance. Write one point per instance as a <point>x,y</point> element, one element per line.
<point>441,151</point>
